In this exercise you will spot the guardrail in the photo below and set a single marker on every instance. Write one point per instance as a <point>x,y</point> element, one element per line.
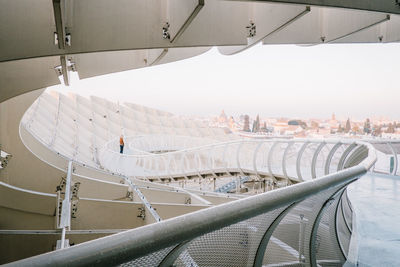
<point>293,160</point>
<point>388,159</point>
<point>303,224</point>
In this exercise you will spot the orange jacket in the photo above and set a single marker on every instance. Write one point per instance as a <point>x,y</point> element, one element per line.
<point>121,141</point>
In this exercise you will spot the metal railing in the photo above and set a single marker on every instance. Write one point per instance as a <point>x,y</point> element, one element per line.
<point>293,160</point>
<point>302,224</point>
<point>387,160</point>
<point>314,230</point>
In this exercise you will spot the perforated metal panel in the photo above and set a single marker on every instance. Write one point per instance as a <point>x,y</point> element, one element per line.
<point>235,245</point>
<point>296,238</point>
<point>153,259</point>
<point>327,248</point>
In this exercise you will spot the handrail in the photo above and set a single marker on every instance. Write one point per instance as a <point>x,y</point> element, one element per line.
<point>110,159</point>
<point>117,175</point>
<point>302,140</point>
<point>132,244</point>
<point>142,241</point>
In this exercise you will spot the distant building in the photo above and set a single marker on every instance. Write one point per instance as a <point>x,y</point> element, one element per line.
<point>367,126</point>
<point>222,117</point>
<point>347,129</point>
<point>264,127</point>
<point>246,126</point>
<point>231,122</point>
<point>314,125</point>
<point>256,125</point>
<point>298,123</point>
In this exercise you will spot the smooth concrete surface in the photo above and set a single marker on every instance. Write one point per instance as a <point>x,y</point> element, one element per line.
<point>376,238</point>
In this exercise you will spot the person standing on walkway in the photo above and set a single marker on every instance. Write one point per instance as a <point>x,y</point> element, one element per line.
<point>121,144</point>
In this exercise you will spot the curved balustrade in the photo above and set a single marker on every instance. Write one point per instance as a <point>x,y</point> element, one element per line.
<point>296,160</point>
<point>307,224</point>
<point>388,159</point>
<point>304,224</point>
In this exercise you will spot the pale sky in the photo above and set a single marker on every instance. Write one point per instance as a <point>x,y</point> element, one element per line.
<point>355,81</point>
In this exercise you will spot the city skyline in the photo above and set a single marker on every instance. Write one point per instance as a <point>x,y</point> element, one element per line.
<point>287,81</point>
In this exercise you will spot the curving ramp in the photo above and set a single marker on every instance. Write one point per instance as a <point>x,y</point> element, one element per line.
<point>108,202</point>
<point>33,184</point>
<point>59,170</point>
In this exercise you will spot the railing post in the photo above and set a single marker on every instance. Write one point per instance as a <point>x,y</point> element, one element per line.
<point>330,156</point>
<point>290,144</point>
<point>143,199</point>
<point>238,158</point>
<point>314,159</point>
<point>270,158</point>
<point>344,156</point>
<point>298,160</point>
<point>65,221</point>
<point>303,224</point>
<point>395,159</point>
<point>225,161</point>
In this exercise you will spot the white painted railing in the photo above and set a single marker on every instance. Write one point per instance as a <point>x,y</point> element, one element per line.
<point>295,160</point>
<point>306,224</point>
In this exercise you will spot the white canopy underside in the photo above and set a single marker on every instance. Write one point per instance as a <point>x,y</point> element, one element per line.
<point>113,36</point>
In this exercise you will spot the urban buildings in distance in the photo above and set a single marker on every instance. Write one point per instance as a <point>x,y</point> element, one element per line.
<point>247,126</point>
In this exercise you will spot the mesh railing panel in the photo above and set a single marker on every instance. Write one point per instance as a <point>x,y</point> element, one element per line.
<point>291,160</point>
<point>396,148</point>
<point>321,160</point>
<point>246,155</point>
<point>277,158</point>
<point>262,157</point>
<point>235,245</point>
<point>153,259</point>
<point>327,248</point>
<point>347,210</point>
<point>343,231</point>
<point>333,167</point>
<point>306,160</point>
<point>290,241</point>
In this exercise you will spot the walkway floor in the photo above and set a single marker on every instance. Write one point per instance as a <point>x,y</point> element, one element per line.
<point>376,201</point>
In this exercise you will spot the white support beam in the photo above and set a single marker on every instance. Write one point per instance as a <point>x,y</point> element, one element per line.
<point>330,156</point>
<point>255,160</point>
<point>144,200</point>
<point>298,160</point>
<point>64,68</point>
<point>210,161</point>
<point>270,154</point>
<point>285,153</point>
<point>65,220</point>
<point>314,159</point>
<point>238,159</point>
